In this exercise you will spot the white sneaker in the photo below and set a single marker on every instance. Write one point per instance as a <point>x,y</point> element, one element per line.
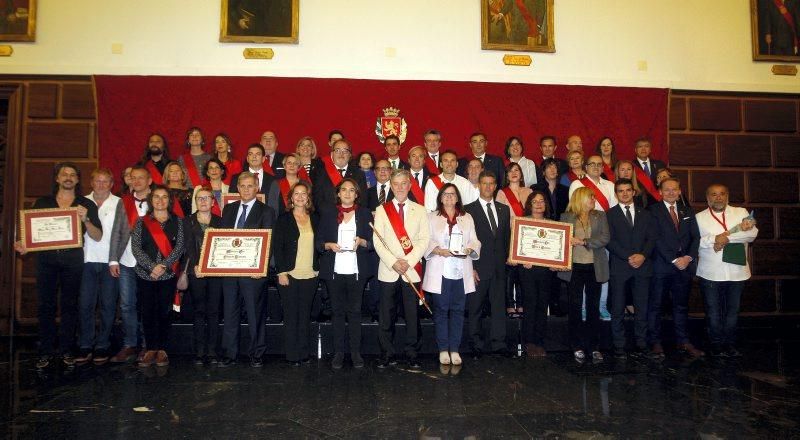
<point>456,358</point>
<point>444,358</point>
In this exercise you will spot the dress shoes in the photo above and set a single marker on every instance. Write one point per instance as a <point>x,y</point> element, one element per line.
<point>256,362</point>
<point>732,352</point>
<point>126,354</point>
<point>162,360</point>
<point>619,353</point>
<point>358,361</point>
<point>226,362</point>
<point>413,363</point>
<point>338,361</point>
<point>690,350</point>
<point>657,351</point>
<point>386,362</point>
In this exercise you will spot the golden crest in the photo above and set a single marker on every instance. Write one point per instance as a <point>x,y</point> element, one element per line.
<point>542,233</point>
<point>391,124</point>
<point>237,242</point>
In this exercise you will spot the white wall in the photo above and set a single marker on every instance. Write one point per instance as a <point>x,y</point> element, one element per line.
<point>687,44</point>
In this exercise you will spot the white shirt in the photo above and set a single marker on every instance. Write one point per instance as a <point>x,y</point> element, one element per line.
<point>259,176</point>
<point>241,207</point>
<point>528,170</point>
<point>605,187</point>
<point>346,263</point>
<point>710,265</point>
<point>461,183</point>
<point>643,162</point>
<point>481,157</point>
<point>97,251</point>
<point>435,158</point>
<point>486,208</point>
<point>453,267</point>
<point>625,211</point>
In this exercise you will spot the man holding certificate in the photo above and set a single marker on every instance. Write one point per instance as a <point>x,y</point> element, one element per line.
<point>248,213</point>
<point>62,267</point>
<point>723,268</point>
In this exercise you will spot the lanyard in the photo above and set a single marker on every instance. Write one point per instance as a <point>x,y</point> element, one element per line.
<point>722,222</point>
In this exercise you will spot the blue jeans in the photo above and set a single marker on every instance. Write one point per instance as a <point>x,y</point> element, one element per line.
<point>97,283</point>
<point>448,315</point>
<point>721,299</point>
<point>127,306</point>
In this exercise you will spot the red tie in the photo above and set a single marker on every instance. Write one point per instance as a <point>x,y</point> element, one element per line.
<point>674,216</point>
<point>402,216</point>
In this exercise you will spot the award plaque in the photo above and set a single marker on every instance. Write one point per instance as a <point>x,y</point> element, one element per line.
<point>456,244</point>
<point>347,239</point>
<point>541,243</point>
<point>50,229</point>
<point>235,197</point>
<point>235,252</point>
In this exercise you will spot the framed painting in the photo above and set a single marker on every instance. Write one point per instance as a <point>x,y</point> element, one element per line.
<point>260,21</point>
<point>18,20</point>
<point>775,28</point>
<point>523,25</point>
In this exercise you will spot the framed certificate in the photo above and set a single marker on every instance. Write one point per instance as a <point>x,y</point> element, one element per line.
<point>541,243</point>
<point>235,252</point>
<point>235,197</point>
<point>50,229</point>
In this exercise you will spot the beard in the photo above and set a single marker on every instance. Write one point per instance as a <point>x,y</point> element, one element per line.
<point>156,151</point>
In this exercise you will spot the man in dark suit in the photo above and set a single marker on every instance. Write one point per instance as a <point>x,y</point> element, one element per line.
<point>630,247</point>
<point>419,174</point>
<point>674,265</point>
<point>273,159</point>
<point>324,178</point>
<point>265,182</point>
<point>248,213</point>
<point>381,192</point>
<point>548,146</point>
<point>392,146</point>
<point>781,27</point>
<point>477,144</point>
<point>650,166</point>
<point>493,228</point>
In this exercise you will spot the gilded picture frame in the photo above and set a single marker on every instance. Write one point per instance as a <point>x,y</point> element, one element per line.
<point>260,21</point>
<point>525,25</point>
<point>771,30</point>
<point>17,20</point>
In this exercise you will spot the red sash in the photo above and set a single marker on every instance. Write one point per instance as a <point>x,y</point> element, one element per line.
<point>283,184</point>
<point>191,168</point>
<point>130,210</point>
<point>416,190</point>
<point>400,231</point>
<point>177,208</point>
<point>609,172</point>
<point>268,168</point>
<point>645,181</point>
<point>158,179</point>
<point>513,201</point>
<point>437,180</point>
<point>215,208</point>
<point>598,195</point>
<point>232,168</point>
<point>162,242</point>
<point>572,176</point>
<point>789,19</point>
<point>303,174</point>
<point>533,28</point>
<point>431,165</point>
<point>333,172</point>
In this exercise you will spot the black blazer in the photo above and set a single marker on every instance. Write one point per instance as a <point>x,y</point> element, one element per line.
<point>562,198</point>
<point>285,235</point>
<point>193,238</point>
<point>425,176</point>
<point>626,241</point>
<point>494,247</point>
<point>490,163</point>
<point>277,165</point>
<point>672,243</point>
<point>372,196</point>
<point>324,191</point>
<point>266,182</point>
<point>328,232</point>
<point>655,167</point>
<point>260,216</point>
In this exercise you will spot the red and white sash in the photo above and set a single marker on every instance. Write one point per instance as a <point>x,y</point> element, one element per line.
<point>514,202</point>
<point>191,169</point>
<point>400,231</point>
<point>598,195</point>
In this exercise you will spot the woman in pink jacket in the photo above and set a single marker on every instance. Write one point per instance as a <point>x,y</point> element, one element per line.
<point>453,246</point>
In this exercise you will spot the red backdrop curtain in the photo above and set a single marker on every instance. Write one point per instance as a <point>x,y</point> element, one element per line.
<point>131,107</point>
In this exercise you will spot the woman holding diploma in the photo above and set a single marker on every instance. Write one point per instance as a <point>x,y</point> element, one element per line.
<point>296,264</point>
<point>452,247</point>
<point>344,241</point>
<point>589,271</point>
<point>157,244</point>
<point>536,281</point>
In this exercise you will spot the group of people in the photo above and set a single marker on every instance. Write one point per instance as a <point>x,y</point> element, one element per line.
<point>433,228</point>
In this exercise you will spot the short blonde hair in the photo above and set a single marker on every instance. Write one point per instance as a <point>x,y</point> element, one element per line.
<point>578,200</point>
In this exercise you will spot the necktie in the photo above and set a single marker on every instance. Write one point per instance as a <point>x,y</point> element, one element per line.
<point>674,216</point>
<point>416,177</point>
<point>628,215</point>
<point>479,158</point>
<point>258,181</point>
<point>269,159</point>
<point>341,171</point>
<point>394,164</point>
<point>382,194</point>
<point>402,216</point>
<point>492,220</point>
<point>435,159</point>
<point>646,168</point>
<point>242,218</point>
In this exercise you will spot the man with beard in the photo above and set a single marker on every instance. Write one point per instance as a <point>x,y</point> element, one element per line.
<point>63,267</point>
<point>156,157</point>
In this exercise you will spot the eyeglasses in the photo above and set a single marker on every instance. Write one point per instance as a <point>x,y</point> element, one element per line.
<point>342,151</point>
<point>203,198</point>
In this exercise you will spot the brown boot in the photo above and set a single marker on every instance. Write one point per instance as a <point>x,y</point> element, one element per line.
<point>148,359</point>
<point>126,354</point>
<point>162,360</point>
<point>690,350</point>
<point>531,350</point>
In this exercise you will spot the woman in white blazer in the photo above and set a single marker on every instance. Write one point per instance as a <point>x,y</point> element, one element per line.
<point>448,271</point>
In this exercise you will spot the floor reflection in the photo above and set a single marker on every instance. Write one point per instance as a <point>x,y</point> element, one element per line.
<point>755,396</point>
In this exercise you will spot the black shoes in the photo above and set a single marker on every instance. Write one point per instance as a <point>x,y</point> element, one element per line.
<point>476,353</point>
<point>619,353</point>
<point>358,361</point>
<point>226,362</point>
<point>386,362</point>
<point>338,361</point>
<point>413,363</point>
<point>256,362</point>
